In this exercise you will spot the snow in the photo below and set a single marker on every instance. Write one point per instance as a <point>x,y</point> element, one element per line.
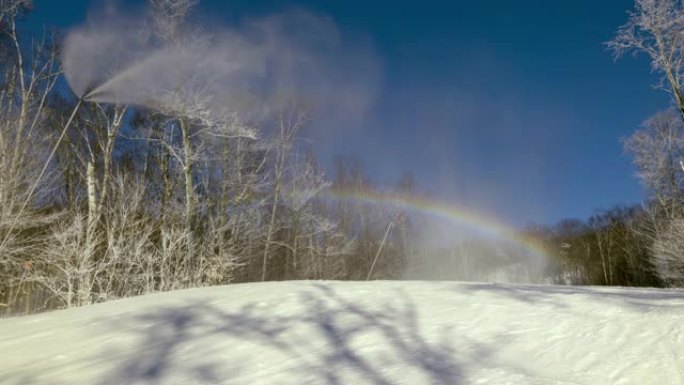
<point>377,333</point>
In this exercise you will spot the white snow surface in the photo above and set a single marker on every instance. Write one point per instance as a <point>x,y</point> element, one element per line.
<point>356,333</point>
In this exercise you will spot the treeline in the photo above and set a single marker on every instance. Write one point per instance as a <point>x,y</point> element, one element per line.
<point>642,245</point>
<point>631,246</point>
<point>137,200</point>
<point>612,248</point>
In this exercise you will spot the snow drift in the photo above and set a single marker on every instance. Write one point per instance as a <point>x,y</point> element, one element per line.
<point>356,333</point>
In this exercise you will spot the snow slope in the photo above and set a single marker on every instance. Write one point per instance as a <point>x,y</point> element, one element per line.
<point>376,333</point>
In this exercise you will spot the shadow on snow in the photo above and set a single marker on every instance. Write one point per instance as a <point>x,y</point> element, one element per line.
<point>329,340</point>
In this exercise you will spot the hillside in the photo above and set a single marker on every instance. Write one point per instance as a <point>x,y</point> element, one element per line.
<point>377,333</point>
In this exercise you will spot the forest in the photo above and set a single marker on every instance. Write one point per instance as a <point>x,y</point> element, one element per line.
<point>104,198</point>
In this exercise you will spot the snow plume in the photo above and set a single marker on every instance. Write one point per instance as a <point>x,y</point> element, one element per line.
<point>249,68</point>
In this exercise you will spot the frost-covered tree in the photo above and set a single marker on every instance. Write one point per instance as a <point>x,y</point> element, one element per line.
<point>668,253</point>
<point>657,150</point>
<point>655,29</point>
<point>28,74</point>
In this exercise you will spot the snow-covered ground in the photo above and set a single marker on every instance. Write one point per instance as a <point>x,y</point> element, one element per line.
<point>377,333</point>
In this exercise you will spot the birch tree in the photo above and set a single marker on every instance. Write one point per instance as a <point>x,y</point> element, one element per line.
<point>29,73</point>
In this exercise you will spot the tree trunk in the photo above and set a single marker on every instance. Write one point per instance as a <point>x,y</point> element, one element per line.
<point>187,172</point>
<point>89,249</point>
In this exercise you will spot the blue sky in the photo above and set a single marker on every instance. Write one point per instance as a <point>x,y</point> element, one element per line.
<point>513,108</point>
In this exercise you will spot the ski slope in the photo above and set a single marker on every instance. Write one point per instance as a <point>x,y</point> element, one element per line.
<point>369,333</point>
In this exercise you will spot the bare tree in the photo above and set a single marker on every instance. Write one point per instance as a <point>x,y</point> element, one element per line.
<point>289,122</point>
<point>169,17</point>
<point>668,253</point>
<point>655,28</point>
<point>657,151</point>
<point>29,72</point>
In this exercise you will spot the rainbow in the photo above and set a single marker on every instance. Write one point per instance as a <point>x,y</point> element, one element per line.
<point>460,216</point>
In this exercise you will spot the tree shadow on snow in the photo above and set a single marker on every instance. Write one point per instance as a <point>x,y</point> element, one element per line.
<point>330,340</point>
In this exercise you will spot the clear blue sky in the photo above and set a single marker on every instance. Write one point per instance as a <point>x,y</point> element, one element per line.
<point>511,107</point>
